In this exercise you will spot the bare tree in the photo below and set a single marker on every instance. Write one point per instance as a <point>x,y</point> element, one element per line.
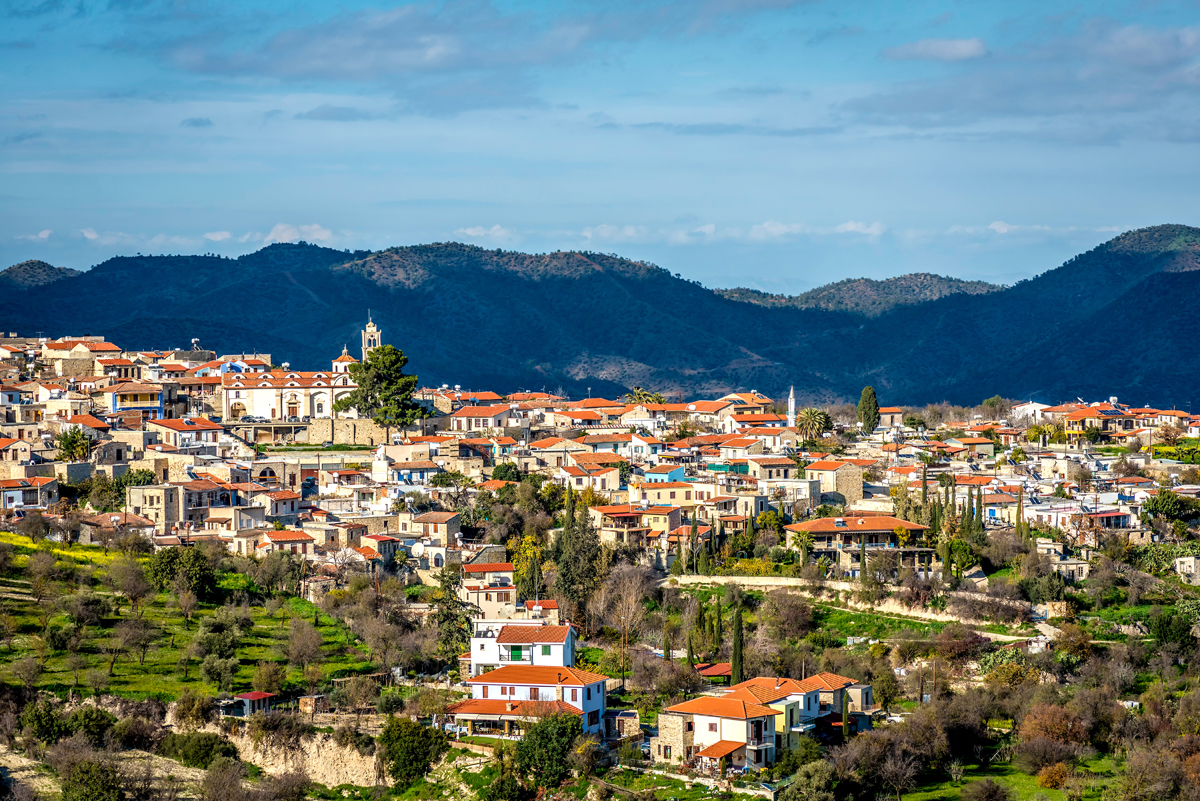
<point>304,644</point>
<point>129,579</point>
<point>626,590</point>
<point>185,601</point>
<point>899,771</point>
<point>27,671</point>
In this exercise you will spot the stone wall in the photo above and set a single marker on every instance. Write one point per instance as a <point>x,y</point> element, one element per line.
<point>347,432</point>
<point>671,733</point>
<point>78,368</point>
<point>887,606</point>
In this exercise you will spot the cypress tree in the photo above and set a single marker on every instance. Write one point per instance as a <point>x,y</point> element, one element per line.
<point>868,410</point>
<point>735,671</point>
<point>704,568</point>
<point>668,647</point>
<point>924,479</point>
<point>718,626</point>
<point>845,716</point>
<point>691,653</point>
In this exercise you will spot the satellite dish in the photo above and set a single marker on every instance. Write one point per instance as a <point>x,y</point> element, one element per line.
<point>418,550</point>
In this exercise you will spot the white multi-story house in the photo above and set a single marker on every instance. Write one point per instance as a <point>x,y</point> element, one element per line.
<point>523,670</point>
<point>498,643</point>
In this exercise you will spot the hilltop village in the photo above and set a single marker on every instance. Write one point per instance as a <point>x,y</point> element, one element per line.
<point>741,593</point>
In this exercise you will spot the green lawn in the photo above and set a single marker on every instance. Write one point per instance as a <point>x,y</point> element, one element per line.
<point>663,787</point>
<point>161,676</point>
<point>853,623</point>
<point>1024,785</point>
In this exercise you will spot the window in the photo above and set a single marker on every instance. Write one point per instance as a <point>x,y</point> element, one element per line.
<point>712,727</point>
<point>593,717</point>
<point>545,650</point>
<point>504,691</point>
<point>485,689</point>
<point>672,495</point>
<point>512,690</point>
<point>533,693</point>
<point>689,726</point>
<point>480,646</point>
<point>574,694</point>
<point>589,693</point>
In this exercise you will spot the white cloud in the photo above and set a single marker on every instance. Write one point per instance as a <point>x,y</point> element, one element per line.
<point>89,233</point>
<point>250,236</point>
<point>938,50</point>
<point>497,233</point>
<point>40,236</point>
<point>217,236</point>
<point>617,233</point>
<point>853,227</point>
<point>283,232</point>
<point>1001,227</point>
<point>772,229</point>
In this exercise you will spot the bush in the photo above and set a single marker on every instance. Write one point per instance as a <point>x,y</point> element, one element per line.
<point>408,749</point>
<point>987,790</point>
<point>92,722</point>
<point>824,639</point>
<point>389,704</point>
<point>135,732</point>
<point>1053,776</point>
<point>350,737</point>
<point>193,710</point>
<point>278,731</point>
<point>93,781</point>
<point>1040,752</point>
<point>44,722</point>
<point>197,749</point>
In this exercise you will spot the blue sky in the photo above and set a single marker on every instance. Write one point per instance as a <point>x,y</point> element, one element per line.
<point>765,143</point>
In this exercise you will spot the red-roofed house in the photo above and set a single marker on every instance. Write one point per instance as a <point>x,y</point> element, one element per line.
<point>740,731</point>
<point>841,481</point>
<point>288,541</point>
<point>842,539</point>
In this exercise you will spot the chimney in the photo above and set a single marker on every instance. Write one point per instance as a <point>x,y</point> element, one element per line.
<point>510,706</point>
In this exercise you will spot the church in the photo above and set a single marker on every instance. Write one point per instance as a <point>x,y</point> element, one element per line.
<point>282,394</point>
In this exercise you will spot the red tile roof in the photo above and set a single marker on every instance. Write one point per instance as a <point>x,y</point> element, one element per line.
<point>522,709</point>
<point>517,635</point>
<point>489,567</point>
<point>539,675</point>
<point>724,707</point>
<point>721,748</point>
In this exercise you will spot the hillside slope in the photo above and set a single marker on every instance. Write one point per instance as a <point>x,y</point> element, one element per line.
<point>503,320</point>
<point>867,296</point>
<point>34,273</point>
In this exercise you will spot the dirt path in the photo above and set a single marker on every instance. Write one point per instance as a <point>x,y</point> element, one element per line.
<point>23,770</point>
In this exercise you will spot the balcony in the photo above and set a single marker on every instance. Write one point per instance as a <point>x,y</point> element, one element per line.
<point>760,742</point>
<point>525,660</point>
<point>865,709</point>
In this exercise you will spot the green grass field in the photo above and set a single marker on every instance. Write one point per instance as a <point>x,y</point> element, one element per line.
<point>161,676</point>
<point>1102,771</point>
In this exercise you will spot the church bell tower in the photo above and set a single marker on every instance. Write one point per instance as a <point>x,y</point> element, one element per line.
<point>372,337</point>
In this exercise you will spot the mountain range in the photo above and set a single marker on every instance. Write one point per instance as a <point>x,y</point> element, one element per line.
<point>1116,320</point>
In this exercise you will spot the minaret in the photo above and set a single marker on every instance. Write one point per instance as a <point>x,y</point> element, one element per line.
<point>791,421</point>
<point>372,337</point>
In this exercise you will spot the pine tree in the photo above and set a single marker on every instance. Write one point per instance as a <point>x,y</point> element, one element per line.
<point>868,410</point>
<point>735,667</point>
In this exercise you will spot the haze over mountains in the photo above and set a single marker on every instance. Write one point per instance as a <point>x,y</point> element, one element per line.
<point>504,320</point>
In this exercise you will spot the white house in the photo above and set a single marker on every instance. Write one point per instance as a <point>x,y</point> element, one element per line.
<point>497,643</point>
<point>505,700</point>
